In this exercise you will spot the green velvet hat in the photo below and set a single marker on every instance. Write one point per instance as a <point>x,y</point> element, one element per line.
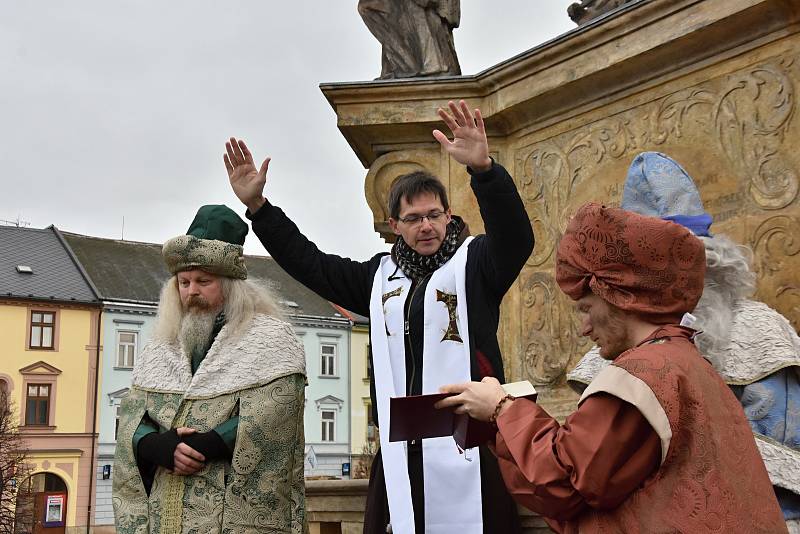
<point>213,243</point>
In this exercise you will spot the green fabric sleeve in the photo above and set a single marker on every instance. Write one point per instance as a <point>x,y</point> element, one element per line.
<point>147,426</point>
<point>227,431</point>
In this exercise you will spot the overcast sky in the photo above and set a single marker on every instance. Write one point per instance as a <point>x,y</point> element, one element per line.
<point>113,109</point>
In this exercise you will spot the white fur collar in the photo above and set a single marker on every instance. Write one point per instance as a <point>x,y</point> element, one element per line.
<point>762,342</point>
<point>267,350</point>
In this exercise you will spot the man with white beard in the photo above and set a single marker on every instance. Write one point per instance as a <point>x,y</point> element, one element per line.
<point>211,432</point>
<point>753,347</point>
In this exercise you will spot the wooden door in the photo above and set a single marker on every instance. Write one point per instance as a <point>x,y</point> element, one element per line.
<point>49,512</point>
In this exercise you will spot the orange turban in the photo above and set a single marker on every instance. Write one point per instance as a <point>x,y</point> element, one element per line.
<point>637,263</point>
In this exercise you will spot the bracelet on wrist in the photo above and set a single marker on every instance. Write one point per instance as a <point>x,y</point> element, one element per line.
<point>493,418</point>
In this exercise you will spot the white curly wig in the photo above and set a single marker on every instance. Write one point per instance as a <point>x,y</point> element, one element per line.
<point>243,299</point>
<point>729,277</point>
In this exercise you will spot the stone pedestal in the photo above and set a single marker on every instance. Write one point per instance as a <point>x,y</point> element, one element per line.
<point>336,506</point>
<point>712,83</point>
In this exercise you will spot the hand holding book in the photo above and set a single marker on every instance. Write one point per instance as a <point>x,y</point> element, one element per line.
<point>480,400</point>
<point>461,410</point>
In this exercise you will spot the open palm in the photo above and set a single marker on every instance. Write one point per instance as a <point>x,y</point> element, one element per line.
<point>247,182</point>
<point>469,145</point>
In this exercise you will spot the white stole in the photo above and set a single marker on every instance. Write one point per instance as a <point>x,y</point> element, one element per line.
<point>452,484</point>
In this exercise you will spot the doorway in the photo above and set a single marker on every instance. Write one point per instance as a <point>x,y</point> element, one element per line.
<point>49,503</point>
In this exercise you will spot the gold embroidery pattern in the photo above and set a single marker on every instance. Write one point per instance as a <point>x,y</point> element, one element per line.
<point>451,301</point>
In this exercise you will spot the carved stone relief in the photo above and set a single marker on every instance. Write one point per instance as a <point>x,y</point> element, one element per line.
<point>729,132</point>
<point>776,243</point>
<point>552,326</point>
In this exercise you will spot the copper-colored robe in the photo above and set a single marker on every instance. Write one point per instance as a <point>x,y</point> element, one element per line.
<point>658,444</point>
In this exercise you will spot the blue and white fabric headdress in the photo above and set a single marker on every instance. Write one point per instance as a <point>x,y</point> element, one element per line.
<point>658,186</point>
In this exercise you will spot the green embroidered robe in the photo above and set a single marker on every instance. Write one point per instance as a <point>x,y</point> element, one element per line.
<point>226,431</point>
<point>259,374</point>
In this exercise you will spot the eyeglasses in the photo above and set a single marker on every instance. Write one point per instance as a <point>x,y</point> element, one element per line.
<point>416,220</point>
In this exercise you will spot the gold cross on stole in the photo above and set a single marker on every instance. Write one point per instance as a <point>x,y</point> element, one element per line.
<point>451,334</point>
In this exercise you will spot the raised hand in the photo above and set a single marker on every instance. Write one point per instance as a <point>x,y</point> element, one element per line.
<point>469,145</point>
<point>247,183</point>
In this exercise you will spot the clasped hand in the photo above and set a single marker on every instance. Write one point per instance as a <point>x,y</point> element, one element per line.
<point>187,460</point>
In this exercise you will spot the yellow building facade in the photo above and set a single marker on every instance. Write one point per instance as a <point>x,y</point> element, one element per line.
<point>363,432</point>
<point>49,373</point>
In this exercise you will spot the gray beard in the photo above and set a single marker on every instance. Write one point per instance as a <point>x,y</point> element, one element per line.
<point>196,328</point>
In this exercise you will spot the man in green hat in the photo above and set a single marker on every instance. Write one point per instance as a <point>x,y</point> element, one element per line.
<point>211,432</point>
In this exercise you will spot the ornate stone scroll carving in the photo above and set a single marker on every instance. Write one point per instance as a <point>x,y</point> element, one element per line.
<point>747,117</point>
<point>776,243</point>
<point>752,119</point>
<point>730,132</point>
<point>552,326</point>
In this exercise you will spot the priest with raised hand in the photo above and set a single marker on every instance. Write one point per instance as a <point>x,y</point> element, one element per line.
<point>434,308</point>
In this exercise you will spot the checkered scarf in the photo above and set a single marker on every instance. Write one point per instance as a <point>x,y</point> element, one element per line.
<point>416,266</point>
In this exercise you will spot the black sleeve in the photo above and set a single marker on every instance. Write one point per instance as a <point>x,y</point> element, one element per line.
<point>342,281</point>
<point>209,444</point>
<point>158,448</point>
<point>509,236</point>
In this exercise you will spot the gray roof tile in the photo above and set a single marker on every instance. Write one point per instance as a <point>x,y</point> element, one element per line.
<point>55,274</point>
<point>134,271</point>
<point>121,270</point>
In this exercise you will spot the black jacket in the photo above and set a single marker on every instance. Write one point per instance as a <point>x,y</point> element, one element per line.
<point>494,260</point>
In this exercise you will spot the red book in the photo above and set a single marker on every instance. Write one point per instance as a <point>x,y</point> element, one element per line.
<point>414,417</point>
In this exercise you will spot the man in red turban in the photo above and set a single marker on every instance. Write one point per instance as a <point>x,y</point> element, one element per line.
<point>658,442</point>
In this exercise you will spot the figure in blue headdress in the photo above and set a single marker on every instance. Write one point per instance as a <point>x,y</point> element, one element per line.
<point>753,347</point>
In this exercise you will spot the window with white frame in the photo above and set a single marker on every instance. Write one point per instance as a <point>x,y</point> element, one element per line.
<point>126,348</point>
<point>116,422</point>
<point>327,359</point>
<point>328,425</point>
<point>42,329</point>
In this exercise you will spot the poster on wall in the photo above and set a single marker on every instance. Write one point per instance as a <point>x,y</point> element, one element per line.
<point>54,510</point>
